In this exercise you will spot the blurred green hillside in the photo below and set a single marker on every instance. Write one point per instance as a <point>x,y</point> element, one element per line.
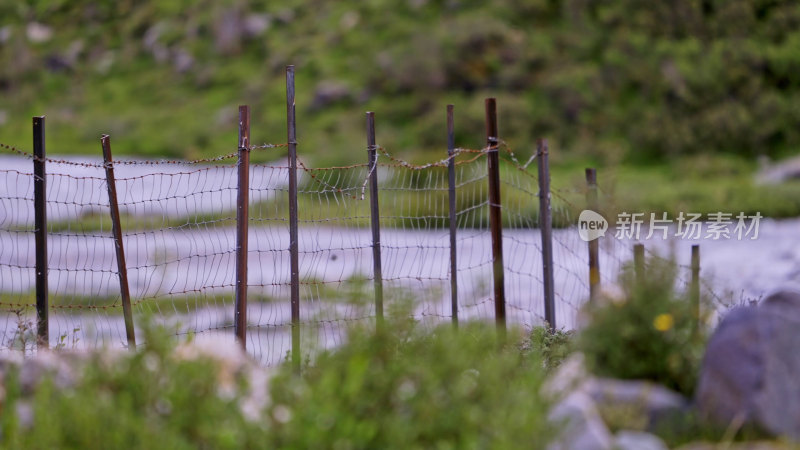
<point>606,81</point>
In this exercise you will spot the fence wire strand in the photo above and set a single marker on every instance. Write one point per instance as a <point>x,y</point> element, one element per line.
<point>178,222</point>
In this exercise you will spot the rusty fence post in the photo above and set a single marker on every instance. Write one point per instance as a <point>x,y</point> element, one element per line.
<point>638,263</point>
<point>451,201</point>
<point>372,157</point>
<point>40,223</point>
<point>546,229</point>
<point>242,206</point>
<point>694,287</point>
<point>495,213</point>
<point>594,245</point>
<point>116,229</point>
<point>291,131</point>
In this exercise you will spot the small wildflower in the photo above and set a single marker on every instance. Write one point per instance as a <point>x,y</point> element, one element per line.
<point>663,322</point>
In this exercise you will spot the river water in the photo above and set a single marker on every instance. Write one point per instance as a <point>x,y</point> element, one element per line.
<point>186,275</point>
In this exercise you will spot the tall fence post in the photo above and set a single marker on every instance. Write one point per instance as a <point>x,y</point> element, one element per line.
<point>242,205</point>
<point>495,213</point>
<point>638,262</point>
<point>116,229</point>
<point>40,223</point>
<point>694,288</point>
<point>594,245</point>
<point>546,228</point>
<point>451,201</point>
<point>293,244</point>
<point>372,157</point>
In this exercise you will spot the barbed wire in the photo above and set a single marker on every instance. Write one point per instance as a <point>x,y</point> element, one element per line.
<point>178,231</point>
<point>137,162</point>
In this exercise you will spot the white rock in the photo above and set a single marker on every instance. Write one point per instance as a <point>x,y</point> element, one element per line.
<point>569,376</point>
<point>38,32</point>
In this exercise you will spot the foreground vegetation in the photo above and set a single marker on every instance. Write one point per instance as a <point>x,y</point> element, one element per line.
<point>402,386</point>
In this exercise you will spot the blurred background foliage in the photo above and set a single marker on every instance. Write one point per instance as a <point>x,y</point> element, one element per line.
<point>607,81</point>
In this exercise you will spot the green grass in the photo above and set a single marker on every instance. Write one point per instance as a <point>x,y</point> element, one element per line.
<point>619,81</point>
<point>702,184</point>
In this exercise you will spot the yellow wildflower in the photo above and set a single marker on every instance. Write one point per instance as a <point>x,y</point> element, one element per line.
<point>663,322</point>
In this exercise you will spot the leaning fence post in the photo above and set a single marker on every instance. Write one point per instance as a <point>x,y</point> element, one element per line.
<point>546,228</point>
<point>451,201</point>
<point>242,204</point>
<point>372,157</point>
<point>116,229</point>
<point>594,245</point>
<point>694,288</point>
<point>40,222</point>
<point>495,213</point>
<point>638,262</point>
<point>293,244</point>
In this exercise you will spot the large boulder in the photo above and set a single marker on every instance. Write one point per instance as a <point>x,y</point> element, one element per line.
<point>751,370</point>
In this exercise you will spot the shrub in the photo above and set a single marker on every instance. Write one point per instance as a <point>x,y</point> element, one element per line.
<point>144,400</point>
<point>551,347</point>
<point>652,334</point>
<point>401,388</point>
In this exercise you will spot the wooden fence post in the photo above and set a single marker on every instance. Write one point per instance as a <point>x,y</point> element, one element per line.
<point>546,228</point>
<point>116,229</point>
<point>495,213</point>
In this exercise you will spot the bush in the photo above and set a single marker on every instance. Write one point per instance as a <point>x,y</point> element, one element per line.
<point>552,348</point>
<point>398,388</point>
<point>145,400</point>
<point>404,389</point>
<point>652,334</point>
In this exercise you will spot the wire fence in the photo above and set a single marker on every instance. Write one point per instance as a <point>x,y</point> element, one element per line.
<point>178,222</point>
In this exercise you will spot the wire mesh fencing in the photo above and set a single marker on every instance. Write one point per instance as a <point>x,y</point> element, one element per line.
<point>178,222</point>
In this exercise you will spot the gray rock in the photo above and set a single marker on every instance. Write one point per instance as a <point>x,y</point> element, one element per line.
<point>256,24</point>
<point>228,32</point>
<point>775,173</point>
<point>583,427</point>
<point>637,440</point>
<point>751,366</point>
<point>646,402</point>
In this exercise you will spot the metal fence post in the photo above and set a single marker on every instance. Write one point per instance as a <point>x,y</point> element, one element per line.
<point>694,287</point>
<point>116,228</point>
<point>594,245</point>
<point>495,213</point>
<point>242,205</point>
<point>372,157</point>
<point>546,228</point>
<point>293,244</point>
<point>451,201</point>
<point>638,262</point>
<point>40,223</point>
